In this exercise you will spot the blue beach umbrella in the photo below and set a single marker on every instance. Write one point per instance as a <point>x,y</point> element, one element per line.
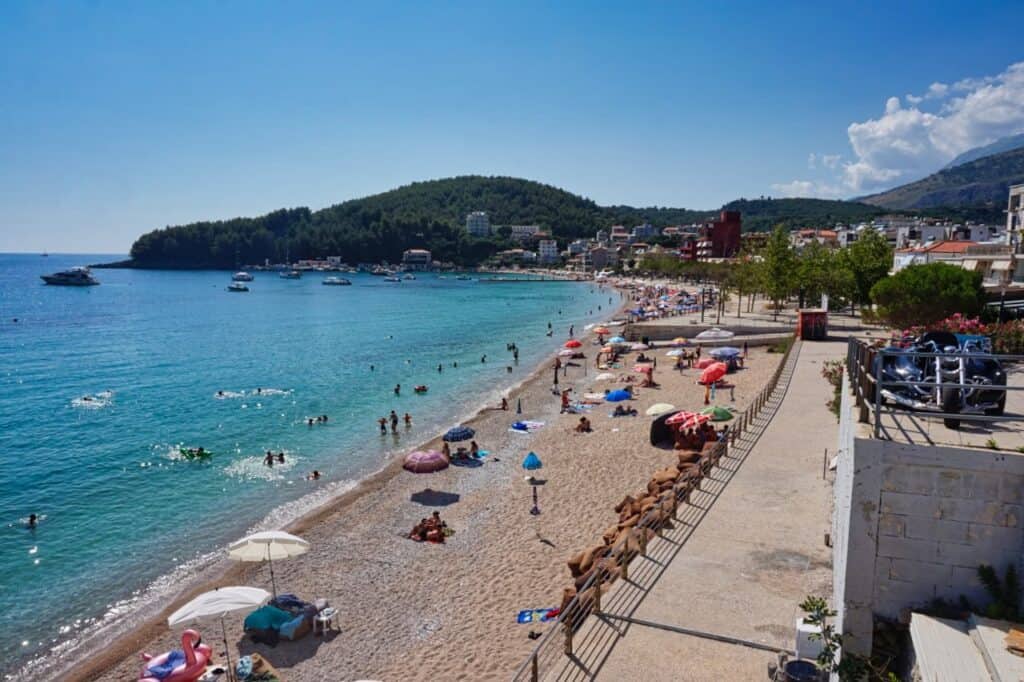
<point>725,352</point>
<point>616,339</point>
<point>617,396</point>
<point>532,462</point>
<point>458,433</point>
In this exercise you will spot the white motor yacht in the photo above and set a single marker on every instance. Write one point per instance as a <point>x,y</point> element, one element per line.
<point>75,277</point>
<point>336,282</point>
<point>237,286</point>
<point>241,276</point>
<point>290,274</point>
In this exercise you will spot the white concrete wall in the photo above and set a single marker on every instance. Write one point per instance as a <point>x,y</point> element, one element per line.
<point>913,522</point>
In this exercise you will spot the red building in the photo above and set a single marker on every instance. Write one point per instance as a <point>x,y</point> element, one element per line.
<point>720,238</point>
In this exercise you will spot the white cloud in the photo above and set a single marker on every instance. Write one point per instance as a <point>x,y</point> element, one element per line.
<point>807,188</point>
<point>909,142</point>
<point>811,160</point>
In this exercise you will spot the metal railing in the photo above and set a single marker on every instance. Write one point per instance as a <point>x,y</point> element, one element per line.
<point>865,365</point>
<point>556,647</point>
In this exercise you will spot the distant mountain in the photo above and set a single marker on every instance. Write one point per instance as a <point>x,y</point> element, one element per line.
<point>1005,144</point>
<point>432,214</point>
<point>979,184</point>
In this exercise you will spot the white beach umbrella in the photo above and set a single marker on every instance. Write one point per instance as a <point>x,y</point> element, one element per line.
<point>217,604</point>
<point>267,546</point>
<point>659,408</point>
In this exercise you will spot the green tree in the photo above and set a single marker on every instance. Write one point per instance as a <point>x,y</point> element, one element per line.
<point>923,294</point>
<point>869,259</point>
<point>777,268</point>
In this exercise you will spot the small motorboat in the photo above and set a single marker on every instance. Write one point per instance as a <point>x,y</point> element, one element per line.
<point>409,275</point>
<point>290,274</point>
<point>463,277</point>
<point>241,276</point>
<point>237,287</point>
<point>420,389</point>
<point>336,282</point>
<point>392,278</point>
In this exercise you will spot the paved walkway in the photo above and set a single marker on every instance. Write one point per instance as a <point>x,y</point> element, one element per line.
<point>746,562</point>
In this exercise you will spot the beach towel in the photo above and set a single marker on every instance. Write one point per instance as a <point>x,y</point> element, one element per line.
<point>162,670</point>
<point>525,426</point>
<point>266,618</point>
<point>536,615</point>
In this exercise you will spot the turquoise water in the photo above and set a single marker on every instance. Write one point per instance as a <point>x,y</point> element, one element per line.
<point>120,508</point>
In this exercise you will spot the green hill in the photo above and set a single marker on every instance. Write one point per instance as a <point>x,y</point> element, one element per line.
<point>431,215</point>
<point>981,184</point>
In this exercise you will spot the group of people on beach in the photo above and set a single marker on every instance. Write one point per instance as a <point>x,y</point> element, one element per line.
<point>695,438</point>
<point>461,453</point>
<point>431,529</point>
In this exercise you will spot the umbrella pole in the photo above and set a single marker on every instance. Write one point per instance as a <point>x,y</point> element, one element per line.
<point>273,585</point>
<point>227,651</point>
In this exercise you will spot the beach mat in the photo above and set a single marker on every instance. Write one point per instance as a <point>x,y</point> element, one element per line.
<point>536,615</point>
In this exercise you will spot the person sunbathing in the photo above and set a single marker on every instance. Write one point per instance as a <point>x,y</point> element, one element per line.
<point>446,450</point>
<point>583,426</point>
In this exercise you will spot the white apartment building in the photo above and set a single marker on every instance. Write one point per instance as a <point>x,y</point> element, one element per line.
<point>1015,216</point>
<point>578,246</point>
<point>478,224</point>
<point>547,251</point>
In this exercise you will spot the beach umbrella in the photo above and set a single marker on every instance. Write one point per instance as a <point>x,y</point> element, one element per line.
<point>714,334</point>
<point>573,343</point>
<point>532,463</point>
<point>675,353</point>
<point>686,419</point>
<point>604,376</point>
<point>659,408</point>
<point>617,396</point>
<point>616,339</point>
<point>679,341</point>
<point>713,373</point>
<point>717,414</point>
<point>725,352</point>
<point>267,546</point>
<point>420,462</point>
<point>434,498</point>
<point>217,604</point>
<point>601,330</point>
<point>457,433</point>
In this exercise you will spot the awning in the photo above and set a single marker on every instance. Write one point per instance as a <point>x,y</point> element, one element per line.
<point>1002,265</point>
<point>969,264</point>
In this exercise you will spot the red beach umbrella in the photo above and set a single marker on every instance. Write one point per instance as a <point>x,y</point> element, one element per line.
<point>420,462</point>
<point>713,373</point>
<point>687,419</point>
<point>572,343</point>
<point>704,363</point>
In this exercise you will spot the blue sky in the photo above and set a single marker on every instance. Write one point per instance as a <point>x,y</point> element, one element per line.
<point>118,118</point>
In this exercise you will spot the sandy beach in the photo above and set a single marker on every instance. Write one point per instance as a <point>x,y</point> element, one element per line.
<point>424,611</point>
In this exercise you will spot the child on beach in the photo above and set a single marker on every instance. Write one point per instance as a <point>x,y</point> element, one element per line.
<point>408,420</point>
<point>383,425</point>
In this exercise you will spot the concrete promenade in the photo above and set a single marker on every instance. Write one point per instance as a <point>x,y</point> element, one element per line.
<point>753,557</point>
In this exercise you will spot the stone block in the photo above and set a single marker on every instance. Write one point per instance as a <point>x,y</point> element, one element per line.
<point>908,479</point>
<point>983,551</point>
<point>1011,489</point>
<point>905,504</point>
<point>906,548</point>
<point>922,528</point>
<point>908,570</point>
<point>949,483</point>
<point>971,511</point>
<point>979,485</point>
<point>982,535</point>
<point>890,524</point>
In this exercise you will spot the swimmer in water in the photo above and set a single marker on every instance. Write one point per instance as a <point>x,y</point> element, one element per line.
<point>33,520</point>
<point>408,420</point>
<point>440,368</point>
<point>398,389</point>
<point>310,421</point>
<point>314,476</point>
<point>220,394</point>
<point>269,459</point>
<point>280,458</point>
<point>371,368</point>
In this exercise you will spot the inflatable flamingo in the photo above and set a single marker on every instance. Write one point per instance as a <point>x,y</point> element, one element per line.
<point>196,658</point>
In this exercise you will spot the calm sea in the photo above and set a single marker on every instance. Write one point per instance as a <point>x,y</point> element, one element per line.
<point>120,509</point>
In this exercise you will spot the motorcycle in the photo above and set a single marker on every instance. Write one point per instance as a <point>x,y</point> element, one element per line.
<point>932,379</point>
